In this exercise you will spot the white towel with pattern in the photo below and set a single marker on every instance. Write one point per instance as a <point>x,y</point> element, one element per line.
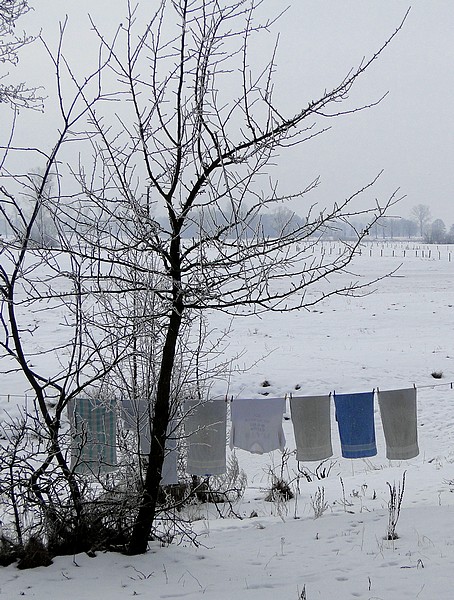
<point>257,424</point>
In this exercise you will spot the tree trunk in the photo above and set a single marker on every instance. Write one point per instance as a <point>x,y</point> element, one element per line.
<point>147,511</point>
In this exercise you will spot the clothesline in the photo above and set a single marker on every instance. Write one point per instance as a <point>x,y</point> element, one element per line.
<point>433,385</point>
<point>29,394</point>
<point>375,389</point>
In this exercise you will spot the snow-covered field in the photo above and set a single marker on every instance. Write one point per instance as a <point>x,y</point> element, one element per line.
<point>392,338</point>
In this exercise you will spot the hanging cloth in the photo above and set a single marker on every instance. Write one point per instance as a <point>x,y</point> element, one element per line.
<point>93,434</point>
<point>399,419</point>
<point>137,418</point>
<point>206,431</point>
<point>257,424</point>
<point>311,421</point>
<point>355,420</point>
<point>169,475</point>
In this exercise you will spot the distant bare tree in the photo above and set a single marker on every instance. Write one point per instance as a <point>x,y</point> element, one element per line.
<point>421,213</point>
<point>284,220</point>
<point>409,228</point>
<point>450,236</point>
<point>436,232</point>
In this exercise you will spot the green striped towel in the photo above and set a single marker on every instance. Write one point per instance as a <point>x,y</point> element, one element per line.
<point>93,434</point>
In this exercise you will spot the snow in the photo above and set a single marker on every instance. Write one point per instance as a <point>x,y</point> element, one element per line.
<point>392,338</point>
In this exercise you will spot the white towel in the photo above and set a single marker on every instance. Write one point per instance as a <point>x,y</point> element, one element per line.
<point>137,418</point>
<point>257,424</point>
<point>169,474</point>
<point>399,419</point>
<point>206,427</point>
<point>311,421</point>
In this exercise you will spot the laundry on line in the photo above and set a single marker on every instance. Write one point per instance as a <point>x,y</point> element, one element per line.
<point>255,426</point>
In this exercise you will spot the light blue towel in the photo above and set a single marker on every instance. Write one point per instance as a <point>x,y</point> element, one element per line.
<point>355,420</point>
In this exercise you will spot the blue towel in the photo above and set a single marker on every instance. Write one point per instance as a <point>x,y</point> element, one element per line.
<point>355,420</point>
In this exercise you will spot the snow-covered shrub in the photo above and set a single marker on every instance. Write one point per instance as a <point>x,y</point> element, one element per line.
<point>394,506</point>
<point>319,506</point>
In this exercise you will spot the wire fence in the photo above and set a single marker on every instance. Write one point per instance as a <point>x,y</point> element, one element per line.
<point>391,250</point>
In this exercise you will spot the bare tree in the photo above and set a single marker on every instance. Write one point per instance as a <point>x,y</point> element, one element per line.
<point>204,136</point>
<point>16,95</point>
<point>421,213</point>
<point>38,286</point>
<point>169,207</point>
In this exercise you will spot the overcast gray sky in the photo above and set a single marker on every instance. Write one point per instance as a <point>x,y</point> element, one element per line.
<point>409,135</point>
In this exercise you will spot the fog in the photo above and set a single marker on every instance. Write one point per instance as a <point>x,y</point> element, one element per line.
<point>408,135</point>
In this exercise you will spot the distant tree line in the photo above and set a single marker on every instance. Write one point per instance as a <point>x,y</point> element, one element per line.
<point>419,225</point>
<point>272,224</point>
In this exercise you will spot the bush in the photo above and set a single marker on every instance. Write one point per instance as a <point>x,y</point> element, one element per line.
<point>35,554</point>
<point>9,551</point>
<point>280,490</point>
